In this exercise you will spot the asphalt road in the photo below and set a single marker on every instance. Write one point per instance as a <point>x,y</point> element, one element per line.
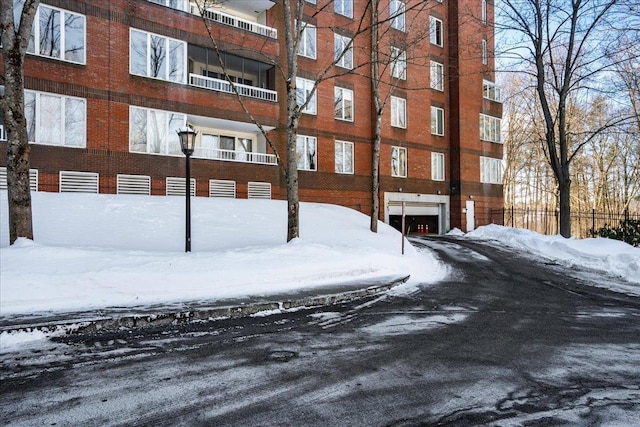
<point>505,340</point>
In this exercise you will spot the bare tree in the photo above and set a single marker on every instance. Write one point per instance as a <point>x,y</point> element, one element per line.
<point>16,22</point>
<point>566,48</point>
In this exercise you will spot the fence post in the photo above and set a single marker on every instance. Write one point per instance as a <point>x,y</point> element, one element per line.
<point>593,222</point>
<point>503,212</point>
<point>512,220</point>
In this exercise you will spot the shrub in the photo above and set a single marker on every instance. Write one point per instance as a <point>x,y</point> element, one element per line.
<point>628,231</point>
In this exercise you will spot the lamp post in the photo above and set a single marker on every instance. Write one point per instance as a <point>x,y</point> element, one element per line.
<point>187,143</point>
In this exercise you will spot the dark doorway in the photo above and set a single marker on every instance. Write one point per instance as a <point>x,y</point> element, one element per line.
<point>416,224</point>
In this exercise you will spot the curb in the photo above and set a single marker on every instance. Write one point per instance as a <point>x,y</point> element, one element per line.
<point>82,324</point>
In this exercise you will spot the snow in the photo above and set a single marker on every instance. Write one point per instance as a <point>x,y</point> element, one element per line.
<point>97,251</point>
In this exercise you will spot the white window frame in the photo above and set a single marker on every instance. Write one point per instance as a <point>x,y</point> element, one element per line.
<point>437,166</point>
<point>398,63</point>
<point>491,91</point>
<point>491,170</point>
<point>182,5</point>
<point>343,7</point>
<point>437,121</point>
<point>34,47</point>
<point>436,76</point>
<point>303,160</point>
<point>346,96</point>
<point>484,12</point>
<point>342,43</point>
<point>398,112</point>
<point>39,128</point>
<point>399,155</point>
<point>167,131</point>
<point>397,12</point>
<point>168,40</point>
<point>490,128</point>
<point>304,87</point>
<point>436,31</point>
<point>485,54</point>
<point>341,149</point>
<point>308,45</point>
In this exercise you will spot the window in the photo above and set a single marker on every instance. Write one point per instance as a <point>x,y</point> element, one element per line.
<point>491,91</point>
<point>306,151</point>
<point>437,166</point>
<point>484,52</point>
<point>307,45</point>
<point>398,63</point>
<point>174,4</point>
<point>343,104</point>
<point>343,7</point>
<point>343,44</point>
<point>398,112</point>
<point>490,170</point>
<point>55,119</point>
<point>154,131</point>
<point>58,34</point>
<point>344,157</point>
<point>160,57</point>
<point>437,76</point>
<point>396,12</point>
<point>437,121</point>
<point>484,12</point>
<point>399,162</point>
<point>435,31</point>
<point>304,89</point>
<point>489,128</point>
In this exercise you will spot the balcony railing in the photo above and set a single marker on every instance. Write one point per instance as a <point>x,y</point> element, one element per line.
<point>236,22</point>
<point>235,156</point>
<point>224,86</point>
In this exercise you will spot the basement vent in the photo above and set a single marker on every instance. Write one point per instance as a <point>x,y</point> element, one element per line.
<point>259,190</point>
<point>33,179</point>
<point>175,186</point>
<point>79,182</point>
<point>133,184</point>
<point>222,188</point>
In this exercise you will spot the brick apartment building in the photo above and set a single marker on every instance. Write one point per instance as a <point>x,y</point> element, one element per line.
<point>108,82</point>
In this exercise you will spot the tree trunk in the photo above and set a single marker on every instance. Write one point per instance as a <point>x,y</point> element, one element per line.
<point>564,188</point>
<point>375,150</point>
<point>18,183</point>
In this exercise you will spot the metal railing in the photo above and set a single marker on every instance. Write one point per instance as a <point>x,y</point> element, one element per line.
<point>224,86</point>
<point>233,21</point>
<point>583,224</point>
<point>235,156</point>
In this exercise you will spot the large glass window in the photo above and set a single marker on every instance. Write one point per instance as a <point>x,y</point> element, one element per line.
<point>490,170</point>
<point>398,112</point>
<point>437,121</point>
<point>397,14</point>
<point>307,45</point>
<point>399,162</point>
<point>437,76</point>
<point>160,57</point>
<point>398,63</point>
<point>55,119</point>
<point>306,151</point>
<point>491,91</point>
<point>343,7</point>
<point>154,131</point>
<point>436,31</point>
<point>437,166</point>
<point>490,128</point>
<point>344,157</point>
<point>304,89</point>
<point>485,54</point>
<point>343,104</point>
<point>59,34</point>
<point>343,46</point>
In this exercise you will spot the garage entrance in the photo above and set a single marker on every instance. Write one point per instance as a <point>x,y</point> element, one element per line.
<point>424,213</point>
<point>416,224</point>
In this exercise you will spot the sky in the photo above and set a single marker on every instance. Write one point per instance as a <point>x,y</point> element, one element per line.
<point>96,251</point>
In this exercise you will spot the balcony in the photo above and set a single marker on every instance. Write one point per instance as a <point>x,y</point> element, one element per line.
<point>220,85</point>
<point>234,21</point>
<point>235,156</point>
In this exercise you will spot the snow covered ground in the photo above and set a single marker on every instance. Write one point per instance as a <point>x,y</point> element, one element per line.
<point>96,251</point>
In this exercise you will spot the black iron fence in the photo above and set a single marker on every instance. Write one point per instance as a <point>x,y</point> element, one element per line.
<point>583,224</point>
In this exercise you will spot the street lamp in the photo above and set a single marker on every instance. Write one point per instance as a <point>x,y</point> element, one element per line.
<point>187,143</point>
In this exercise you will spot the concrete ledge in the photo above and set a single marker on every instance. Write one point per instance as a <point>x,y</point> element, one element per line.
<point>154,317</point>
